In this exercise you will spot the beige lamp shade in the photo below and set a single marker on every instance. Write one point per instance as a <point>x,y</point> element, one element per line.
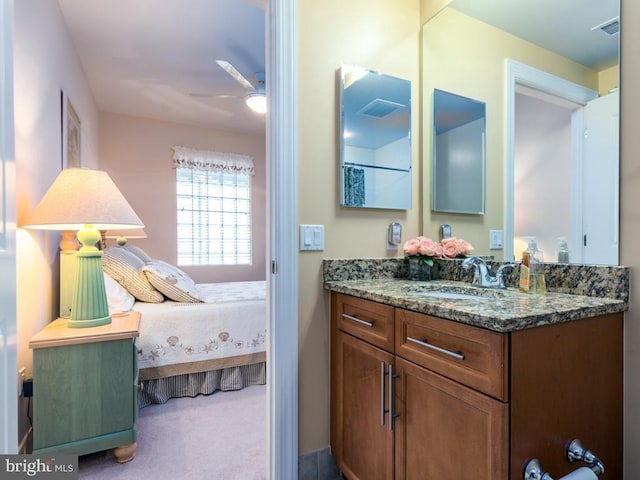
<point>80,196</point>
<point>128,233</point>
<point>85,200</point>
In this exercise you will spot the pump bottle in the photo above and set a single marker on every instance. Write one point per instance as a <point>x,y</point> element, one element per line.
<point>531,270</point>
<point>563,250</point>
<point>537,282</point>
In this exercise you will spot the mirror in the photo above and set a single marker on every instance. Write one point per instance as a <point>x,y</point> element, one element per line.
<point>466,49</point>
<point>458,154</point>
<point>375,139</point>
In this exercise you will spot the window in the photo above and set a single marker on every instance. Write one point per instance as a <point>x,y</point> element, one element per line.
<point>213,207</point>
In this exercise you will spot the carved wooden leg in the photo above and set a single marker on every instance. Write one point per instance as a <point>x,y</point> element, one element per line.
<point>125,453</point>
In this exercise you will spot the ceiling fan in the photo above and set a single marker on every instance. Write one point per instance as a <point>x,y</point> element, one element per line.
<point>256,100</point>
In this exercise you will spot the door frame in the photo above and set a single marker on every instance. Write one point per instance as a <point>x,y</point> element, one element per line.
<point>519,74</point>
<point>8,315</point>
<point>282,274</point>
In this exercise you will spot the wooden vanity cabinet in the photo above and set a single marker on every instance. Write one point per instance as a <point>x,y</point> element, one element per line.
<point>445,429</point>
<point>361,440</point>
<point>513,397</point>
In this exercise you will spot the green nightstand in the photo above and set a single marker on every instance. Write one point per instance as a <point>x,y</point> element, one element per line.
<point>85,388</point>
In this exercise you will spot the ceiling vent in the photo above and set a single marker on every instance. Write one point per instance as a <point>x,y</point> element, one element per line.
<point>609,28</point>
<point>380,108</point>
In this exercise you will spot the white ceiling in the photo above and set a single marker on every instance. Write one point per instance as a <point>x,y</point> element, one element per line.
<point>157,59</point>
<point>562,26</point>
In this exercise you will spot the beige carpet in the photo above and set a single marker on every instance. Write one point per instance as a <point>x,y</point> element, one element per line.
<point>221,436</point>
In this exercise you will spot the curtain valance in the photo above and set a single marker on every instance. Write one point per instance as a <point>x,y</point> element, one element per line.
<point>191,158</point>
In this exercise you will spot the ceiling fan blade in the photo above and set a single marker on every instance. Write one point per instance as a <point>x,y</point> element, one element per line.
<point>211,95</point>
<point>235,74</point>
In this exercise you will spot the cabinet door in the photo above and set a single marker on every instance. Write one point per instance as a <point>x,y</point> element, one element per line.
<point>446,430</point>
<point>82,392</point>
<point>363,444</point>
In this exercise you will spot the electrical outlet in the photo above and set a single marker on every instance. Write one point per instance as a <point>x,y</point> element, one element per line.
<point>496,239</point>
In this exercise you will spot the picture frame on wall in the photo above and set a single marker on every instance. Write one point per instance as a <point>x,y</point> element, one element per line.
<point>71,133</point>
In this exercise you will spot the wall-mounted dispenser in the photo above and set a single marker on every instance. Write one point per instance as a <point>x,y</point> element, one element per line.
<point>394,235</point>
<point>445,231</point>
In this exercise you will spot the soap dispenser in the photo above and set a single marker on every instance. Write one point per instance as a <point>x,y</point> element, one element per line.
<point>531,270</point>
<point>537,283</point>
<point>525,272</point>
<point>563,250</point>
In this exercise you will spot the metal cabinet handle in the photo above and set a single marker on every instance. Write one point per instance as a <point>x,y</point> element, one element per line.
<point>390,397</point>
<point>356,319</point>
<point>457,354</point>
<point>382,410</point>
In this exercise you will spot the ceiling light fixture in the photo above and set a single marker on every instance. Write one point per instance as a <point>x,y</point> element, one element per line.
<point>257,102</point>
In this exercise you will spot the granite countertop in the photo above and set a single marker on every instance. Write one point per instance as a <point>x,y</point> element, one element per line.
<point>498,310</point>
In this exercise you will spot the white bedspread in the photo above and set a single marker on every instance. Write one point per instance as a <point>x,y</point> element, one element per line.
<point>231,322</point>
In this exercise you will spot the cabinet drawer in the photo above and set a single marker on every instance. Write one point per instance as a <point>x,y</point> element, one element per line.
<point>367,320</point>
<point>470,355</point>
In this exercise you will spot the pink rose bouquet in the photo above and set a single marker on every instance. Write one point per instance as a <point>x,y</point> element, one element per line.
<point>429,250</point>
<point>455,247</point>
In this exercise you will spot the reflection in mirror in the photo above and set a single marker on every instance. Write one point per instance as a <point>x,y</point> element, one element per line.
<point>458,154</point>
<point>467,48</point>
<point>375,139</point>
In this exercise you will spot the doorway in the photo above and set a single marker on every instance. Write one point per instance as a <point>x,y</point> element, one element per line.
<point>523,78</point>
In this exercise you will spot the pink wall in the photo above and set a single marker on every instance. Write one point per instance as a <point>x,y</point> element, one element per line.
<point>543,164</point>
<point>137,153</point>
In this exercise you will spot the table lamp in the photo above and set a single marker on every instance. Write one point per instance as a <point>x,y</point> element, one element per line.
<point>121,235</point>
<point>88,201</point>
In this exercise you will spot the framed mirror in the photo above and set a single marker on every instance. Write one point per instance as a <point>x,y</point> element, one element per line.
<point>508,55</point>
<point>375,139</point>
<point>458,154</point>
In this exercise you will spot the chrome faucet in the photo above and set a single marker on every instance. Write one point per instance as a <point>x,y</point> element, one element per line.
<point>481,275</point>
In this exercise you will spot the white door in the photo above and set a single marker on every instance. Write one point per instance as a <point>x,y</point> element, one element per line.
<point>600,181</point>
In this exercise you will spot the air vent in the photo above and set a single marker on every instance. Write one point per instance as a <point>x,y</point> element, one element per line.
<point>609,28</point>
<point>380,108</point>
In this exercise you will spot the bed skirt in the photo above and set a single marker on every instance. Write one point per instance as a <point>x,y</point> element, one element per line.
<point>160,390</point>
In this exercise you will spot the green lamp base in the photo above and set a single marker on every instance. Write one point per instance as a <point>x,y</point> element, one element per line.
<point>94,322</point>
<point>89,307</point>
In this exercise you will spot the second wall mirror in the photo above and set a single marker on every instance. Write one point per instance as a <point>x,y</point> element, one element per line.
<point>458,154</point>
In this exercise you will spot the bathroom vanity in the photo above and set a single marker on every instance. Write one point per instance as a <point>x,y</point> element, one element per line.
<point>441,380</point>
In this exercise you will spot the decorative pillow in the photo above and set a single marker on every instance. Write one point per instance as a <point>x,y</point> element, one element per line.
<point>118,299</point>
<point>138,252</point>
<point>171,281</point>
<point>126,269</point>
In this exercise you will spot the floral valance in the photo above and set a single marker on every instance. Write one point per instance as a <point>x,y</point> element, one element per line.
<point>184,157</point>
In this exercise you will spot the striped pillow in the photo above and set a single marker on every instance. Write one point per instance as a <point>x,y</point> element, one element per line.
<point>138,252</point>
<point>126,269</point>
<point>171,281</point>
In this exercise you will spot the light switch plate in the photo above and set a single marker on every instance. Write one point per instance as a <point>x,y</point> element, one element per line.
<point>496,239</point>
<point>311,237</point>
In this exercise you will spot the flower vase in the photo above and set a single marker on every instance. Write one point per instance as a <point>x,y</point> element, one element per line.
<point>419,269</point>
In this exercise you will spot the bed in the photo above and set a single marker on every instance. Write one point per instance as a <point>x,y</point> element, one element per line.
<point>186,349</point>
<point>194,339</point>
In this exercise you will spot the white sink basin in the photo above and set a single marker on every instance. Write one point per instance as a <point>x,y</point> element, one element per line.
<point>455,292</point>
